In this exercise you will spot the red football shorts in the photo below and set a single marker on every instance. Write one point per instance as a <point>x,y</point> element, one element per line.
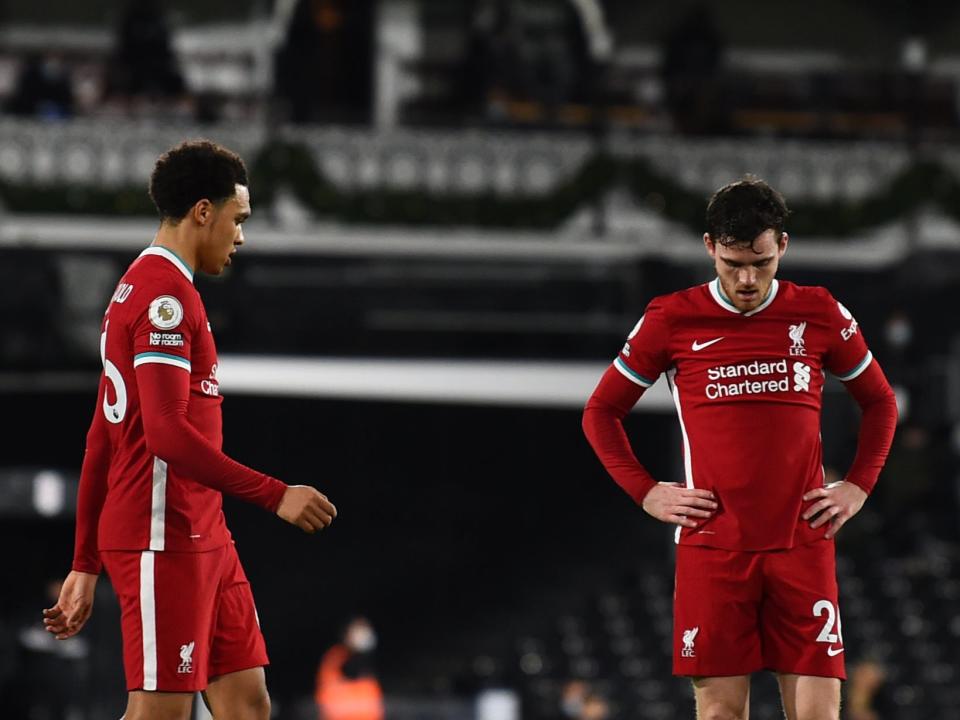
<point>186,617</point>
<point>739,612</point>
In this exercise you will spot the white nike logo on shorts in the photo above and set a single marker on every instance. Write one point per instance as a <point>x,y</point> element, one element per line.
<point>833,652</point>
<point>700,346</point>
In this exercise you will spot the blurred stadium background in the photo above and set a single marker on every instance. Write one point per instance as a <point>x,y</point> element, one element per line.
<point>460,209</point>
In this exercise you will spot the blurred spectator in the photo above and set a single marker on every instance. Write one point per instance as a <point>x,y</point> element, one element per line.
<point>347,687</point>
<point>913,492</point>
<point>33,336</point>
<point>691,71</point>
<point>572,698</point>
<point>544,52</point>
<point>43,89</point>
<point>579,701</point>
<point>867,679</point>
<point>144,68</point>
<point>901,361</point>
<point>897,338</point>
<point>324,70</point>
<point>595,707</point>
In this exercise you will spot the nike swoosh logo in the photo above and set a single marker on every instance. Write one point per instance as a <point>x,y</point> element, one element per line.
<point>833,652</point>
<point>700,346</point>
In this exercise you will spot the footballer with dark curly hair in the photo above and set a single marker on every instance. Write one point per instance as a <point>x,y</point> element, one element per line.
<point>149,507</point>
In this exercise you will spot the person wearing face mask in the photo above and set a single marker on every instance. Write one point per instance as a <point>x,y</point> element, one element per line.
<point>572,698</point>
<point>347,687</point>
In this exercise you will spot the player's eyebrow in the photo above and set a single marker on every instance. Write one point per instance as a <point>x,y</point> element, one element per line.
<point>242,216</point>
<point>760,261</point>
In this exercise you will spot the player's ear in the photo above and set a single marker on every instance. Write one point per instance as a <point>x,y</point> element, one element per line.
<point>710,245</point>
<point>202,212</point>
<point>784,241</point>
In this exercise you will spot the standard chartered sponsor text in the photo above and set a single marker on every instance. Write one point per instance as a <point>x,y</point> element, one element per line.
<point>716,390</point>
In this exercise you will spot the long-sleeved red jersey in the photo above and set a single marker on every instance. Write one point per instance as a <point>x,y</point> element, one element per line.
<point>748,391</point>
<point>154,470</point>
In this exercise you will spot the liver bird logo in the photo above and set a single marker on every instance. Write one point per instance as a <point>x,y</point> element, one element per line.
<point>796,336</point>
<point>186,658</point>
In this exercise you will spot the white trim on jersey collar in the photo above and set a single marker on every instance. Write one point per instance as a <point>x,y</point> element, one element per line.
<point>723,301</point>
<point>172,257</point>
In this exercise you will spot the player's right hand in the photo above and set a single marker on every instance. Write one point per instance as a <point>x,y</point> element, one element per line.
<point>307,508</point>
<point>74,606</point>
<point>678,504</point>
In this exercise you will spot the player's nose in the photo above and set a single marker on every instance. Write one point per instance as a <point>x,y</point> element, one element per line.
<point>747,275</point>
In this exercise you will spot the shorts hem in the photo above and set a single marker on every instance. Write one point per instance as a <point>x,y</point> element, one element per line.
<point>725,673</point>
<point>839,674</point>
<point>167,692</point>
<point>213,674</point>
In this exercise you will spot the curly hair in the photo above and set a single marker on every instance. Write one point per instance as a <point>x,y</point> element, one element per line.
<point>192,171</point>
<point>739,212</point>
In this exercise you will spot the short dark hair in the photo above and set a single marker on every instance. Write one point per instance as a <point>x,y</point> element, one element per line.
<point>739,212</point>
<point>192,171</point>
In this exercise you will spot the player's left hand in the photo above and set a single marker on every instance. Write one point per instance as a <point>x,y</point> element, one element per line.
<point>73,608</point>
<point>835,504</point>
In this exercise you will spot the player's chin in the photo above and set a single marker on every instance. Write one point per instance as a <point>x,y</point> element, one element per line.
<point>747,300</point>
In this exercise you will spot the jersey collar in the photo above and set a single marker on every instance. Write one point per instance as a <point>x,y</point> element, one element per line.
<point>174,258</point>
<point>723,301</point>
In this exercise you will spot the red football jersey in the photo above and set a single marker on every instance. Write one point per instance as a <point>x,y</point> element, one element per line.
<point>130,499</point>
<point>748,390</point>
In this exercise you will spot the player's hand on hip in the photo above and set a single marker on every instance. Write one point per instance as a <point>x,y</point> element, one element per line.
<point>833,505</point>
<point>74,606</point>
<point>680,505</point>
<point>307,508</point>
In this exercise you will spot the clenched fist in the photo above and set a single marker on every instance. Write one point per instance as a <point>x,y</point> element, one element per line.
<point>307,508</point>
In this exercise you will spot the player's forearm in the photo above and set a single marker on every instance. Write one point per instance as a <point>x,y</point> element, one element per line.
<point>603,426</point>
<point>190,454</point>
<point>877,426</point>
<point>164,393</point>
<point>90,497</point>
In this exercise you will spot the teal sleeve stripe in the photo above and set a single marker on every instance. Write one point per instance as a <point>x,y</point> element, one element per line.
<point>631,374</point>
<point>858,369</point>
<point>162,358</point>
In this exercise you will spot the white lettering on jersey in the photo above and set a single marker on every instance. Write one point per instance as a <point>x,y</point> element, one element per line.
<point>116,411</point>
<point>165,312</point>
<point>166,339</point>
<point>747,369</point>
<point>851,330</point>
<point>825,607</point>
<point>746,387</point>
<point>122,292</point>
<point>801,378</point>
<point>848,332</point>
<point>211,386</point>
